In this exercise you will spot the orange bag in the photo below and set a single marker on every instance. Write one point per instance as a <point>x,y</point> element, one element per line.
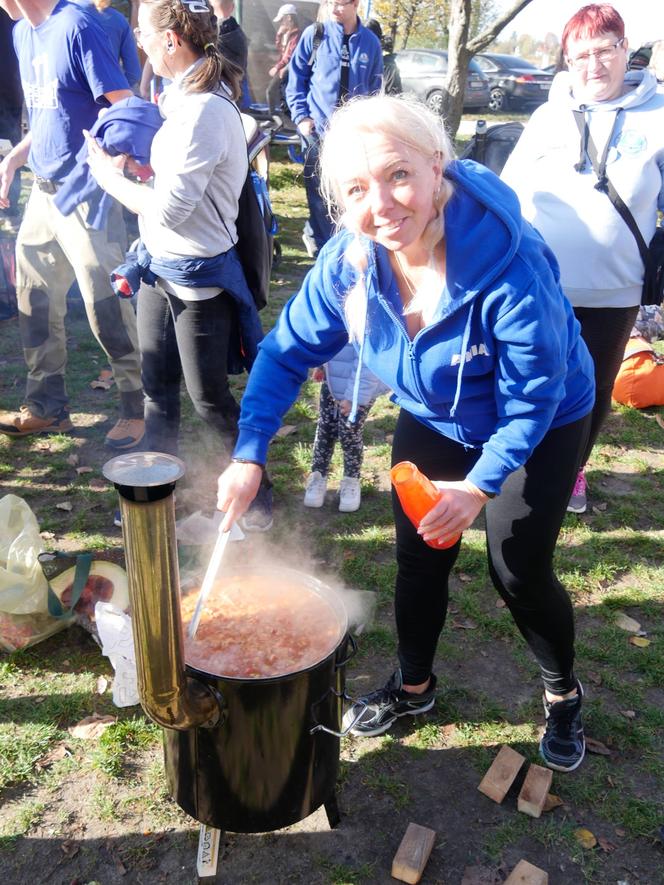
<point>640,381</point>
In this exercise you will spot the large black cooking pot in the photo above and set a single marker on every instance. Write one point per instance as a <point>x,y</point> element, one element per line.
<point>273,758</point>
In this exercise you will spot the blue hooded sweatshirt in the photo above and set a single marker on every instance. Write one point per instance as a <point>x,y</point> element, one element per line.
<point>501,363</point>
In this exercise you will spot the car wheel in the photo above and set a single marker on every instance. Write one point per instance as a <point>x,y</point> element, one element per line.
<point>435,101</point>
<point>497,100</point>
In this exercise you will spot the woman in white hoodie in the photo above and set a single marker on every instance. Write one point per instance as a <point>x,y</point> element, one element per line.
<point>596,102</point>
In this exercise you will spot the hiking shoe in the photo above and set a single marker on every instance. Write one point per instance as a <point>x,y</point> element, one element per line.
<point>314,494</point>
<point>350,494</point>
<point>24,422</point>
<point>375,712</point>
<point>563,745</point>
<point>578,500</point>
<point>126,434</point>
<point>258,517</point>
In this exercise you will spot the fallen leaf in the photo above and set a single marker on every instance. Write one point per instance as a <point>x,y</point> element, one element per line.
<point>97,484</point>
<point>659,420</point>
<point>462,576</point>
<point>64,505</point>
<point>597,747</point>
<point>464,624</point>
<point>286,430</point>
<point>585,838</point>
<point>500,603</point>
<point>70,848</point>
<point>619,832</point>
<point>72,460</point>
<point>626,623</point>
<point>58,752</point>
<point>82,470</point>
<point>552,801</point>
<point>91,726</point>
<point>628,714</point>
<point>47,536</point>
<point>102,684</point>
<point>605,845</point>
<point>639,641</point>
<point>601,507</point>
<point>595,678</point>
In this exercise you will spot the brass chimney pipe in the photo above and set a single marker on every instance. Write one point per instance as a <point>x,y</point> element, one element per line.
<point>146,482</point>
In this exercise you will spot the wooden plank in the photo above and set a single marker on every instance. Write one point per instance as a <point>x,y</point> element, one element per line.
<point>535,790</point>
<point>413,853</point>
<point>500,776</point>
<point>525,873</point>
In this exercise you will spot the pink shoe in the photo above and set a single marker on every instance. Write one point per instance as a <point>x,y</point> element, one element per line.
<point>578,500</point>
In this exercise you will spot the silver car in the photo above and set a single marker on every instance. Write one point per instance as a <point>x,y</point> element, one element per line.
<point>423,72</point>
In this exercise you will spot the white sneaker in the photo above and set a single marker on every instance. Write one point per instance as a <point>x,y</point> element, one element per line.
<point>314,495</point>
<point>350,494</point>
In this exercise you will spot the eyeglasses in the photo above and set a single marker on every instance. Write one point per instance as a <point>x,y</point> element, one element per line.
<point>340,3</point>
<point>603,55</point>
<point>140,37</point>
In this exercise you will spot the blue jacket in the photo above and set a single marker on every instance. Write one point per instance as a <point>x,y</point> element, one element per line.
<point>127,127</point>
<point>313,91</point>
<point>501,364</point>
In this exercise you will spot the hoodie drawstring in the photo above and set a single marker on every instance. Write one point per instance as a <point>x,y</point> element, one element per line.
<point>462,359</point>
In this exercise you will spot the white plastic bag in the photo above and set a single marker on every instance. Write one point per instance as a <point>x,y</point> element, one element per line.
<point>117,643</point>
<point>24,617</point>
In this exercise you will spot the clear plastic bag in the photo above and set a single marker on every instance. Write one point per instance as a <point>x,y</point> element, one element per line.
<point>24,616</point>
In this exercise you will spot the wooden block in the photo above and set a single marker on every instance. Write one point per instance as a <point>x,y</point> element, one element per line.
<point>535,790</point>
<point>500,777</point>
<point>413,853</point>
<point>525,873</point>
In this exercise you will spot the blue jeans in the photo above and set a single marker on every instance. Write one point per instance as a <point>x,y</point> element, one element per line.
<point>320,222</point>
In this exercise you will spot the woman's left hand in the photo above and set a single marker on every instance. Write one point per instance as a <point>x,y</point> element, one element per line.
<point>455,511</point>
<point>103,166</point>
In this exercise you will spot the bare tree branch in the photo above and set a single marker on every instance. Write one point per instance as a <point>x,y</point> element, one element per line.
<point>477,44</point>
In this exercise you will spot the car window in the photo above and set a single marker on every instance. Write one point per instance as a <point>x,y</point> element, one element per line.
<point>426,61</point>
<point>485,64</point>
<point>473,65</point>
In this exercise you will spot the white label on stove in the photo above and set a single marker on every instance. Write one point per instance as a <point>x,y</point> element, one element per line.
<point>208,850</point>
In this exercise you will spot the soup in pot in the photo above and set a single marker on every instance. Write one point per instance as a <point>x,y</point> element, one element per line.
<point>258,626</point>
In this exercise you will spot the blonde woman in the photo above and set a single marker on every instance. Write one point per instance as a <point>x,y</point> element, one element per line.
<point>453,301</point>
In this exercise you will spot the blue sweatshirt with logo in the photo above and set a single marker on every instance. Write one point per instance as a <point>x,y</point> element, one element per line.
<point>501,363</point>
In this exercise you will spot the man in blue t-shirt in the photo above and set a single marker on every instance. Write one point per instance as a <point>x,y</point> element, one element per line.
<point>68,73</point>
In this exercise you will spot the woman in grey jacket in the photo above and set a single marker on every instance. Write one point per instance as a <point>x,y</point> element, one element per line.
<point>550,169</point>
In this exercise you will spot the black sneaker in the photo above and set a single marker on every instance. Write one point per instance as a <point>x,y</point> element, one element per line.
<point>258,517</point>
<point>374,713</point>
<point>563,745</point>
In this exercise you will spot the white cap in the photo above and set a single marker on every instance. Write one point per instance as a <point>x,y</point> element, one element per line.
<point>286,9</point>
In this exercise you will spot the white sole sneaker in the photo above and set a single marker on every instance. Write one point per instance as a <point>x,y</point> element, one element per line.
<point>316,488</point>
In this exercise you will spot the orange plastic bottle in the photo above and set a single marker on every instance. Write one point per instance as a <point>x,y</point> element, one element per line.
<point>417,495</point>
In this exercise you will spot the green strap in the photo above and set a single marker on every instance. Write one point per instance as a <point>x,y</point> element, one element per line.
<point>55,607</point>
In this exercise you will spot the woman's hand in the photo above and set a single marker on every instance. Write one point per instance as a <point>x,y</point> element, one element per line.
<point>103,166</point>
<point>455,511</point>
<point>236,489</point>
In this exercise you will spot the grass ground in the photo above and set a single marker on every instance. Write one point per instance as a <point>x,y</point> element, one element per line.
<point>82,810</point>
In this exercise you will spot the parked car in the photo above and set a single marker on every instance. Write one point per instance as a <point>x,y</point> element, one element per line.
<point>513,82</point>
<point>423,72</point>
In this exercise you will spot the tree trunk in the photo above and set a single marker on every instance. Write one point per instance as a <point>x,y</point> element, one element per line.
<point>458,57</point>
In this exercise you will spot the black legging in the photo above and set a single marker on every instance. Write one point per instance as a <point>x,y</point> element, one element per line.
<point>606,332</point>
<point>522,526</point>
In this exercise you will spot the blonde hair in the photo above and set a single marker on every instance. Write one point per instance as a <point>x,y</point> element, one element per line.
<point>657,60</point>
<point>413,124</point>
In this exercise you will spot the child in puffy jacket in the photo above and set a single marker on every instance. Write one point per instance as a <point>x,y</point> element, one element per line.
<point>336,394</point>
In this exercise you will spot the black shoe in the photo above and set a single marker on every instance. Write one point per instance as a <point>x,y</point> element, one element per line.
<point>258,517</point>
<point>374,713</point>
<point>563,745</point>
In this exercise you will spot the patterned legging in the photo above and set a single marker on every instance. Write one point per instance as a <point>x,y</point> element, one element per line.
<point>333,426</point>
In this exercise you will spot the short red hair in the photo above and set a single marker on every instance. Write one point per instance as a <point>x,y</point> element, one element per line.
<point>591,21</point>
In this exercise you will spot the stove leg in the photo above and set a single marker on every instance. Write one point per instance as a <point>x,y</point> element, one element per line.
<point>332,811</point>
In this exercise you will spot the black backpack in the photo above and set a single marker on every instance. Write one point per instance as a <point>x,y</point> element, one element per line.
<point>492,146</point>
<point>255,224</point>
